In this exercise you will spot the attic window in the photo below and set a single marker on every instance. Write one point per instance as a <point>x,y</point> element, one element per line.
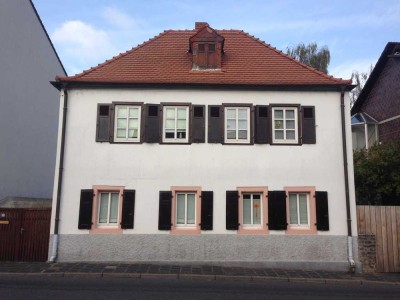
<point>211,47</point>
<point>201,48</point>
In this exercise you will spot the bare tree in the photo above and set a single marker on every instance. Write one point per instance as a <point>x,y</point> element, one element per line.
<point>359,79</point>
<point>311,55</point>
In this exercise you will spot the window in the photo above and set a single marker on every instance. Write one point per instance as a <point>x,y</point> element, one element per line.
<point>108,209</point>
<point>186,209</point>
<point>299,209</point>
<point>284,125</point>
<point>252,210</point>
<point>237,125</point>
<point>176,121</point>
<point>127,123</point>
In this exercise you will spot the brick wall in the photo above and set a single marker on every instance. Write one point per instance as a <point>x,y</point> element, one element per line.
<point>367,252</point>
<point>390,131</point>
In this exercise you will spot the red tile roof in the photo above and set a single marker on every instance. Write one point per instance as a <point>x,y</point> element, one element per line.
<point>165,60</point>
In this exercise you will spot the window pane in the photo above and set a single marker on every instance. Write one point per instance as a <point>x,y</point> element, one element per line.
<point>169,134</point>
<point>182,113</point>
<point>231,134</point>
<point>121,133</point>
<point>103,208</point>
<point>278,114</point>
<point>170,124</point>
<point>242,114</point>
<point>133,112</point>
<point>122,111</point>
<point>132,133</point>
<point>256,211</point>
<point>290,135</point>
<point>133,123</point>
<point>170,113</point>
<point>182,124</point>
<point>242,134</point>
<point>279,134</point>
<point>231,113</point>
<point>246,196</point>
<point>278,124</point>
<point>289,114</point>
<point>121,123</point>
<point>231,124</point>
<point>242,124</point>
<point>289,124</point>
<point>180,211</point>
<point>303,209</point>
<point>246,211</point>
<point>293,208</point>
<point>114,208</point>
<point>181,134</point>
<point>191,208</point>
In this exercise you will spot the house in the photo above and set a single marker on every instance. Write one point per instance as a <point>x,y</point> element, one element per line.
<point>205,146</point>
<point>376,113</point>
<point>29,104</point>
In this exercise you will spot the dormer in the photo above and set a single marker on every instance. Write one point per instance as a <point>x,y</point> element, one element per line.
<point>207,47</point>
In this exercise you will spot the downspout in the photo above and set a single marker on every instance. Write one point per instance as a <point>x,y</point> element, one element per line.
<point>60,177</point>
<point>352,266</point>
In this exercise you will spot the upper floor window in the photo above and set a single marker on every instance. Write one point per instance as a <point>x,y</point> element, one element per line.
<point>127,123</point>
<point>237,125</point>
<point>285,125</point>
<point>176,123</point>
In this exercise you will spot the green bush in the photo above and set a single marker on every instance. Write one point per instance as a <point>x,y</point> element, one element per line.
<point>377,174</point>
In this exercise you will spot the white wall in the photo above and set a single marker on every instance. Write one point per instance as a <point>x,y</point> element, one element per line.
<point>149,168</point>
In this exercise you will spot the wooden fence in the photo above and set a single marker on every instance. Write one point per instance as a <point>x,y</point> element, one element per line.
<point>384,223</point>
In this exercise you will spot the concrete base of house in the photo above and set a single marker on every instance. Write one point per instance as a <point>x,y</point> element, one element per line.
<point>273,251</point>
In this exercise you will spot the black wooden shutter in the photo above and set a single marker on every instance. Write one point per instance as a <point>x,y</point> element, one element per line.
<point>262,130</point>
<point>232,210</point>
<point>85,209</point>
<point>215,124</point>
<point>128,209</point>
<point>164,212</point>
<point>321,203</point>
<point>277,210</point>
<point>308,125</point>
<point>103,126</point>
<point>152,123</point>
<point>198,124</point>
<point>207,210</point>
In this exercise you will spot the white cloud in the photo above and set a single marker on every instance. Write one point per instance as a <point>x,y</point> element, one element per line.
<point>82,45</point>
<point>119,18</point>
<point>345,70</point>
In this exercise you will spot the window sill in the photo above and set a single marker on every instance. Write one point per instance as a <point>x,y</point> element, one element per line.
<point>183,231</point>
<point>102,230</point>
<point>253,231</point>
<point>301,230</point>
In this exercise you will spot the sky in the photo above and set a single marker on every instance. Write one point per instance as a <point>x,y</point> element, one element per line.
<point>88,32</point>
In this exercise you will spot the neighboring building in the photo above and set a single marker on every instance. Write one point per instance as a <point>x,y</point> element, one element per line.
<point>376,113</point>
<point>29,104</point>
<point>205,146</point>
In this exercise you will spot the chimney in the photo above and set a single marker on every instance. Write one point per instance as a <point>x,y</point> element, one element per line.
<point>199,25</point>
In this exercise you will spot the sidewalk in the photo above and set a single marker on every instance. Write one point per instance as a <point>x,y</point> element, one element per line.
<point>206,272</point>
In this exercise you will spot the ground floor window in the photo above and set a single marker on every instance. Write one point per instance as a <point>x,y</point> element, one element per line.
<point>299,209</point>
<point>108,208</point>
<point>252,209</point>
<point>185,209</point>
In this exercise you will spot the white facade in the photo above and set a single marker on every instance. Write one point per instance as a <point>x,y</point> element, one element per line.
<point>151,168</point>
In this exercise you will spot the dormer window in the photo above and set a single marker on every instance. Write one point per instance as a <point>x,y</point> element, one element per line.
<point>206,47</point>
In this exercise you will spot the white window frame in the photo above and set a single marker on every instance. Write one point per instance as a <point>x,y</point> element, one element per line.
<point>175,139</point>
<point>252,225</point>
<point>236,140</point>
<point>195,209</point>
<point>298,210</point>
<point>126,138</point>
<point>108,224</point>
<point>296,127</point>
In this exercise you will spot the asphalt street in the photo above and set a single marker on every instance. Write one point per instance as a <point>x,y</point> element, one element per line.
<point>90,287</point>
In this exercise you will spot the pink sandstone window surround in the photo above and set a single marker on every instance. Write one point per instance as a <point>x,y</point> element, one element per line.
<point>302,229</point>
<point>98,228</point>
<point>180,191</point>
<point>263,210</point>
